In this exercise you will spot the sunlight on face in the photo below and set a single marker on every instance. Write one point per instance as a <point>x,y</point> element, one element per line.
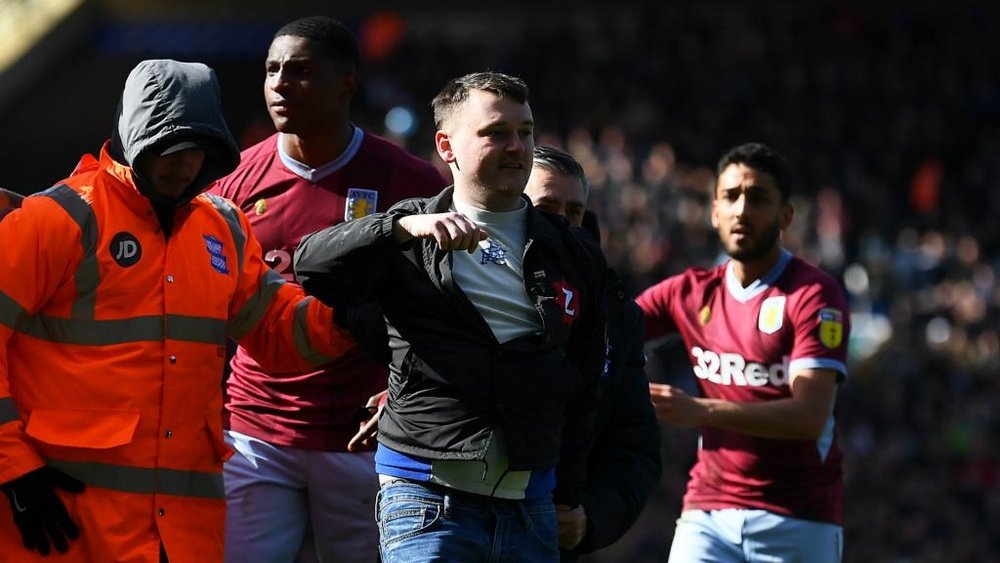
<point>488,142</point>
<point>748,212</point>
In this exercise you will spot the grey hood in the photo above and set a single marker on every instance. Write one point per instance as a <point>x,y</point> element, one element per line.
<point>165,102</point>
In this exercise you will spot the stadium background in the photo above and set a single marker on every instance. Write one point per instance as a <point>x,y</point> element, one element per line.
<point>888,113</point>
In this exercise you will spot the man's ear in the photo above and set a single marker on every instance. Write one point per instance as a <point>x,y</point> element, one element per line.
<point>443,144</point>
<point>350,84</point>
<point>787,214</point>
<point>715,218</point>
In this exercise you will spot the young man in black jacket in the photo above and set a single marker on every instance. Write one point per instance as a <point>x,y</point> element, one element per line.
<point>624,464</point>
<point>497,332</point>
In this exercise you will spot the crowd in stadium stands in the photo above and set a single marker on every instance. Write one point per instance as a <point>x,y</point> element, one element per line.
<point>889,117</point>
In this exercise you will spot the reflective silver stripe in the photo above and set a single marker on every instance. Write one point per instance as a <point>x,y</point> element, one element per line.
<point>87,332</point>
<point>11,314</point>
<point>251,312</point>
<point>232,218</point>
<point>8,412</point>
<point>144,480</point>
<point>301,337</point>
<point>190,483</point>
<point>196,329</point>
<point>87,274</point>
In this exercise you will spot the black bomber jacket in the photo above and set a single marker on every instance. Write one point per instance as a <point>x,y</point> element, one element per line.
<point>451,382</point>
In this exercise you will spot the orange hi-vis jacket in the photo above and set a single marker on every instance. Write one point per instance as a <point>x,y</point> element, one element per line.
<point>112,344</point>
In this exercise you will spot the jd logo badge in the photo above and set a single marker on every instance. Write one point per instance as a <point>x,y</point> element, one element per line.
<point>125,249</point>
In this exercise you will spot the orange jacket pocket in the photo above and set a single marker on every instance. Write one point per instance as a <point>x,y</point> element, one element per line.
<point>82,428</point>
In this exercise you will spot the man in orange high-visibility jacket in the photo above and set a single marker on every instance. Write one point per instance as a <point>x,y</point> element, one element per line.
<point>118,289</point>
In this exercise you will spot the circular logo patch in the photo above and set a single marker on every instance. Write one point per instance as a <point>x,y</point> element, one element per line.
<point>125,249</point>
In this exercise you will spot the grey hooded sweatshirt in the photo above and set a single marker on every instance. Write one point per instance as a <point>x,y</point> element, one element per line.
<point>165,102</point>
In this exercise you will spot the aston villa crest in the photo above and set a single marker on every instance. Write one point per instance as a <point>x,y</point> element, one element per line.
<point>360,203</point>
<point>772,314</point>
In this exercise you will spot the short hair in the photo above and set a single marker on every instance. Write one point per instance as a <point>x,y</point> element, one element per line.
<point>457,91</point>
<point>332,37</point>
<point>764,159</point>
<point>555,160</point>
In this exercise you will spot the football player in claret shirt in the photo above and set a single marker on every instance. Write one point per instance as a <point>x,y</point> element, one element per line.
<point>766,334</point>
<point>292,470</point>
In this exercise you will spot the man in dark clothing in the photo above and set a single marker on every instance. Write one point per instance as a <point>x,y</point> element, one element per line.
<point>624,464</point>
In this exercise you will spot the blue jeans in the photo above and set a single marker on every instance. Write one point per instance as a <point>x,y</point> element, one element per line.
<point>420,522</point>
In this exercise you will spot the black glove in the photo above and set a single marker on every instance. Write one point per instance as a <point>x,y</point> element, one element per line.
<point>38,513</point>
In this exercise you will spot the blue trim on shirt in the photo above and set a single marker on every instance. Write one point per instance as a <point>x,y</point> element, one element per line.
<point>314,175</point>
<point>389,462</point>
<point>541,483</point>
<point>758,286</point>
<point>817,363</point>
<point>394,464</point>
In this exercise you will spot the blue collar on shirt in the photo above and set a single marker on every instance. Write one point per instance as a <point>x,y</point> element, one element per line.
<point>758,286</point>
